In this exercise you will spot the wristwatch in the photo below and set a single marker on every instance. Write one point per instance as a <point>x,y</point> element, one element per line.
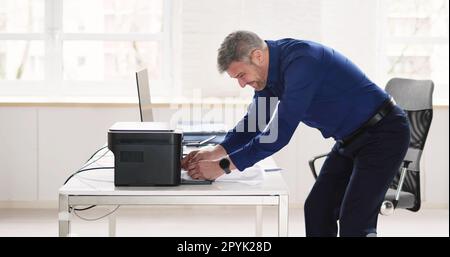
<point>224,163</point>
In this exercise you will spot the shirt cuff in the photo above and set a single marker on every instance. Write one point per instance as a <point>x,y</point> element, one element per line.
<point>227,146</point>
<point>240,159</point>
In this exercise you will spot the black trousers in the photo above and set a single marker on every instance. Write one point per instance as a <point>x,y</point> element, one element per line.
<point>354,180</point>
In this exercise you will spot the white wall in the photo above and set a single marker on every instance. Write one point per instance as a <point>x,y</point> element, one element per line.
<point>435,179</point>
<point>18,153</point>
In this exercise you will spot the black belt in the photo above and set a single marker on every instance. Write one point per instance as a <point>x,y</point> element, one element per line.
<point>382,112</point>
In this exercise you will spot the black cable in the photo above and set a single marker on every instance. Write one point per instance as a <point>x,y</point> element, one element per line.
<point>87,164</point>
<point>84,166</point>
<point>93,219</point>
<point>96,152</point>
<point>83,209</point>
<point>82,169</point>
<point>94,161</point>
<point>79,171</point>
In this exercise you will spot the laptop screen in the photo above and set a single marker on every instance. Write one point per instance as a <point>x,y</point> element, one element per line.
<point>145,103</point>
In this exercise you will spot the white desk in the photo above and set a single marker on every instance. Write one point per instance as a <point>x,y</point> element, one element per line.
<point>96,187</point>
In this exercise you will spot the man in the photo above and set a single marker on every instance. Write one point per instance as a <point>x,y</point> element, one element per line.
<point>318,86</point>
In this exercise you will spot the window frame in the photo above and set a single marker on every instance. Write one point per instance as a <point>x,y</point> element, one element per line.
<point>53,84</point>
<point>385,39</point>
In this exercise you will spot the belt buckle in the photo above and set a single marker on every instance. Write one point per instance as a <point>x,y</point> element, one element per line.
<point>376,118</point>
<point>393,101</point>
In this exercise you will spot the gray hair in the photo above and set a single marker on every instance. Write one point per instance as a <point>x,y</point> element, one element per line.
<point>237,46</point>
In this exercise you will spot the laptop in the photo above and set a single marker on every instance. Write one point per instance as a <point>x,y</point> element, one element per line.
<point>145,102</point>
<point>146,114</point>
<point>193,134</point>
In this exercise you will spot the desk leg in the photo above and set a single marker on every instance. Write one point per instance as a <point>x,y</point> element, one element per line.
<point>112,224</point>
<point>64,216</point>
<point>283,215</point>
<point>258,224</point>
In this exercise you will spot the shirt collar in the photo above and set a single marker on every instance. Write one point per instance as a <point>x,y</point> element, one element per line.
<point>274,59</point>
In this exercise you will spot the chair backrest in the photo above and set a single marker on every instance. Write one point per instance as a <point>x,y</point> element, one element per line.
<point>416,98</point>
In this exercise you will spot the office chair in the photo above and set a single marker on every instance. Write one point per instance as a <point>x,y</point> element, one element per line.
<point>415,97</point>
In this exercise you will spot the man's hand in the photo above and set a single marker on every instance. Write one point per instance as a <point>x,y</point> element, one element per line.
<point>196,156</point>
<point>205,169</point>
<point>186,160</point>
<point>203,154</point>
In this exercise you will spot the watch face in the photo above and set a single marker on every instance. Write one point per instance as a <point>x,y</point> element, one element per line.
<point>224,163</point>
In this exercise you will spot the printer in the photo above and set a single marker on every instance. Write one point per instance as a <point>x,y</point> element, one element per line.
<point>145,154</point>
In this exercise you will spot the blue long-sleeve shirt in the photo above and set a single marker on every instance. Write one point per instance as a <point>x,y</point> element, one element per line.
<point>315,85</point>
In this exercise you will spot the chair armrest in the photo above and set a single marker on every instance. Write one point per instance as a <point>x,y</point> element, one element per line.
<point>311,163</point>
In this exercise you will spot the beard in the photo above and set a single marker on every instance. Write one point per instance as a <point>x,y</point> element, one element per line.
<point>259,83</point>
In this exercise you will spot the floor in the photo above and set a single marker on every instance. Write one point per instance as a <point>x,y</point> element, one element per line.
<point>202,221</point>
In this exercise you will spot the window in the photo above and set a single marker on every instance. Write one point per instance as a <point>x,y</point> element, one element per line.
<point>417,42</point>
<point>21,40</point>
<point>58,48</point>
